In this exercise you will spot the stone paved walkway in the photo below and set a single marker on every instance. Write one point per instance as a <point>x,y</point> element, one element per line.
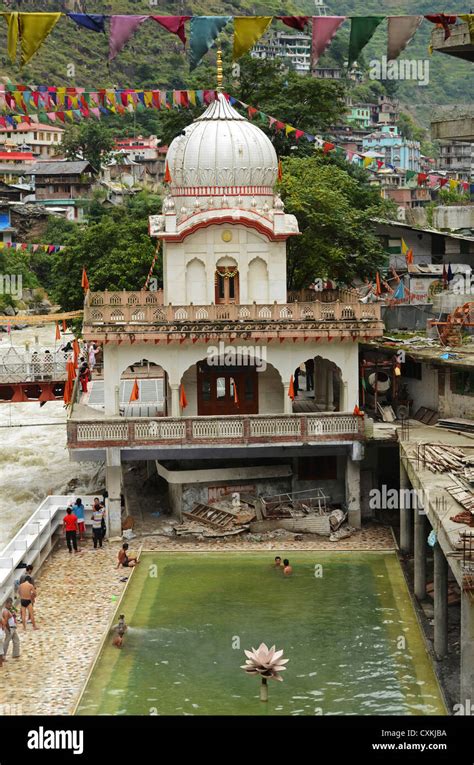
<point>77,596</point>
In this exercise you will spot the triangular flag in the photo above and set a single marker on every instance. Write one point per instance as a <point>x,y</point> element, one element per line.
<point>362,29</point>
<point>450,274</point>
<point>58,332</point>
<point>34,29</point>
<point>247,31</point>
<point>135,394</point>
<point>295,22</point>
<point>183,401</point>
<point>13,32</point>
<point>167,177</point>
<point>291,389</point>
<point>84,280</point>
<point>173,24</point>
<point>401,30</point>
<point>64,325</point>
<point>324,29</point>
<point>399,293</point>
<point>204,30</point>
<point>93,21</point>
<point>121,30</point>
<point>404,247</point>
<point>440,19</point>
<point>357,412</point>
<point>409,257</point>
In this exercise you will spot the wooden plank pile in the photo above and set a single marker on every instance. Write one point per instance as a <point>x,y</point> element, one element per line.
<point>455,423</point>
<point>439,458</point>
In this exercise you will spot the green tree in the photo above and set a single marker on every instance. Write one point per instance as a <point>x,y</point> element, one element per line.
<point>334,207</point>
<point>115,250</point>
<point>89,140</point>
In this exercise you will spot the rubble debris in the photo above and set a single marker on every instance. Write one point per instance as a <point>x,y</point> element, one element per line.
<point>341,533</point>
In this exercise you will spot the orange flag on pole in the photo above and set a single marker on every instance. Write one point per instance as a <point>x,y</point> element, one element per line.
<point>183,401</point>
<point>280,171</point>
<point>291,389</point>
<point>58,332</point>
<point>84,280</point>
<point>69,386</point>
<point>135,394</point>
<point>167,174</point>
<point>357,411</point>
<point>236,395</point>
<point>64,325</point>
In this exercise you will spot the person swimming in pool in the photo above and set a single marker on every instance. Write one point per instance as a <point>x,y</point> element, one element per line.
<point>287,569</point>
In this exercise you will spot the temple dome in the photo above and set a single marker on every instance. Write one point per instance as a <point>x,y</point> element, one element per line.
<point>220,149</point>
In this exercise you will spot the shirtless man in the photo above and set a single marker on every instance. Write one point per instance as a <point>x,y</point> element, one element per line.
<point>277,563</point>
<point>287,569</point>
<point>27,594</point>
<point>120,630</point>
<point>123,558</point>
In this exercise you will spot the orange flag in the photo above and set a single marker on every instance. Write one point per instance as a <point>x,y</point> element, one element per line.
<point>167,174</point>
<point>291,389</point>
<point>280,171</point>
<point>58,332</point>
<point>69,386</point>
<point>183,401</point>
<point>357,411</point>
<point>378,288</point>
<point>75,348</point>
<point>409,257</point>
<point>64,325</point>
<point>84,280</point>
<point>135,394</point>
<point>236,395</point>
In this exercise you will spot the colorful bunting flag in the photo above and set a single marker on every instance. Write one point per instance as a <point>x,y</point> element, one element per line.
<point>441,20</point>
<point>324,29</point>
<point>295,22</point>
<point>204,30</point>
<point>121,30</point>
<point>34,29</point>
<point>247,31</point>
<point>173,24</point>
<point>362,29</point>
<point>401,29</point>
<point>93,21</point>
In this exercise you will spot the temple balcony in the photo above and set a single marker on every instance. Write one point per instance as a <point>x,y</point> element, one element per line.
<point>140,317</point>
<point>168,436</point>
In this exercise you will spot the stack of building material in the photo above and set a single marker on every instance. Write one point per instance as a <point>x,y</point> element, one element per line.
<point>465,426</point>
<point>441,457</point>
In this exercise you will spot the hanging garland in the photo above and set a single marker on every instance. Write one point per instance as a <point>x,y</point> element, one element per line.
<point>226,273</point>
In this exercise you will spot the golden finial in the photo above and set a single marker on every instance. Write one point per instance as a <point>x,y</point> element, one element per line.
<point>219,70</point>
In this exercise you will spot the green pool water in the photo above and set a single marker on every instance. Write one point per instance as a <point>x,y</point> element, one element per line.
<point>351,636</point>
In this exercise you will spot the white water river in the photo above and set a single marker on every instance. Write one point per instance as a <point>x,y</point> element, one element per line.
<point>34,460</point>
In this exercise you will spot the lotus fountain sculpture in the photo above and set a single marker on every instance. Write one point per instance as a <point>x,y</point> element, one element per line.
<point>266,662</point>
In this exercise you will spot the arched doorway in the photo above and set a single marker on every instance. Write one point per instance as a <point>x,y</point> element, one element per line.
<point>318,386</point>
<point>258,281</point>
<point>152,390</point>
<point>196,282</point>
<point>226,281</point>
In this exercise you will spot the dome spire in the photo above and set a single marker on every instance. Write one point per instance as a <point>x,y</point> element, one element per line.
<point>219,70</point>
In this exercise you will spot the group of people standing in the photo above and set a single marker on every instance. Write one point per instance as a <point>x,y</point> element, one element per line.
<point>74,524</point>
<point>9,619</point>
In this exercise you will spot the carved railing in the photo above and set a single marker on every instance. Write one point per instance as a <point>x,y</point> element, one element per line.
<point>140,308</point>
<point>208,431</point>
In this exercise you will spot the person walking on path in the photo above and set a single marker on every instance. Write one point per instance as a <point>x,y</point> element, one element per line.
<point>9,625</point>
<point>97,523</point>
<point>79,511</point>
<point>27,594</point>
<point>70,527</point>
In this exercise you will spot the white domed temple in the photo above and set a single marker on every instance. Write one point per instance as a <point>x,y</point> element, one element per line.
<point>255,389</point>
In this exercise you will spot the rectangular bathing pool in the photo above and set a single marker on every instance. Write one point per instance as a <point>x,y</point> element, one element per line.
<point>345,621</point>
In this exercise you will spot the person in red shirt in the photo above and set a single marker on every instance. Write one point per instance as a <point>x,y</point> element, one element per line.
<point>71,528</point>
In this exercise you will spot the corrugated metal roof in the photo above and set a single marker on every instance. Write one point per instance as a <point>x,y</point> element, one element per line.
<point>60,168</point>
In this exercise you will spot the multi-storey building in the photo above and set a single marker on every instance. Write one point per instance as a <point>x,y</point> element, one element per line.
<point>456,158</point>
<point>226,342</point>
<point>42,140</point>
<point>292,47</point>
<point>397,150</point>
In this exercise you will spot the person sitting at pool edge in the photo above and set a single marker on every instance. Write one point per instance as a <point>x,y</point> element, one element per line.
<point>123,558</point>
<point>287,569</point>
<point>277,563</point>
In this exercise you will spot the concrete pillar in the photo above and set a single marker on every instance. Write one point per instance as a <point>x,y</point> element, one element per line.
<point>287,402</point>
<point>113,481</point>
<point>353,492</point>
<point>406,513</point>
<point>175,408</point>
<point>330,389</point>
<point>467,652</point>
<point>440,603</point>
<point>320,384</point>
<point>420,554</point>
<point>344,403</point>
<point>111,381</point>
